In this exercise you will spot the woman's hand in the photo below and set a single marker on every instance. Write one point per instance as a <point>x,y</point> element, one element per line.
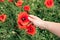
<point>37,21</point>
<point>51,26</point>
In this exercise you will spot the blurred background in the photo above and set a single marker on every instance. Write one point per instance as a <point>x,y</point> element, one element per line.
<point>9,30</point>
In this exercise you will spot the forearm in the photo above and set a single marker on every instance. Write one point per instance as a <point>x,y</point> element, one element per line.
<point>53,27</point>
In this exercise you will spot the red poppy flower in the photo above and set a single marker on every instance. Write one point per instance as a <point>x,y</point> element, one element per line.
<point>49,3</point>
<point>23,18</point>
<point>10,0</point>
<point>20,26</point>
<point>19,3</point>
<point>31,29</point>
<point>3,17</point>
<point>1,0</point>
<point>27,8</point>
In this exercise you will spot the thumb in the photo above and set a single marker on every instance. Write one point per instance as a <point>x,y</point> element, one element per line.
<point>30,19</point>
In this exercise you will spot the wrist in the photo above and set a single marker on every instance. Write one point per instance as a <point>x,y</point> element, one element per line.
<point>45,25</point>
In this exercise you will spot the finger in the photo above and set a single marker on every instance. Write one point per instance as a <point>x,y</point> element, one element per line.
<point>32,16</point>
<point>31,19</point>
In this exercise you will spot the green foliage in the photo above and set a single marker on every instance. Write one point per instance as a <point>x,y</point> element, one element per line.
<point>9,30</point>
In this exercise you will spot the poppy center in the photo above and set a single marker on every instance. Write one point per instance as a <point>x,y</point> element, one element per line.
<point>23,19</point>
<point>30,30</point>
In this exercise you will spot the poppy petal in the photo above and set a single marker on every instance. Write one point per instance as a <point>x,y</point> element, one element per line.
<point>31,30</point>
<point>1,0</point>
<point>49,3</point>
<point>3,17</point>
<point>27,8</point>
<point>19,3</point>
<point>23,18</point>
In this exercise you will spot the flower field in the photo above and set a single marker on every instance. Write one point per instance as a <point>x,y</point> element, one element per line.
<point>14,22</point>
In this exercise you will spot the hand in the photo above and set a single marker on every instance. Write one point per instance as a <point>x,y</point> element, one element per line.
<point>37,21</point>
